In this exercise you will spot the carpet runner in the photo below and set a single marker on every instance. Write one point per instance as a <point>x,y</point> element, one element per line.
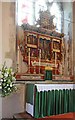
<point>26,116</point>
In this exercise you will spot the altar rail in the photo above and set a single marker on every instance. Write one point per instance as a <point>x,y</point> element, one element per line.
<point>50,99</point>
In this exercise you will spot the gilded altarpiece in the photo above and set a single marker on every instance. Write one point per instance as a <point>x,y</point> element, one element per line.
<point>40,47</point>
<point>38,51</point>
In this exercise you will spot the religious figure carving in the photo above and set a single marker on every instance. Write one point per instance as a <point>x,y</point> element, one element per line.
<point>46,20</point>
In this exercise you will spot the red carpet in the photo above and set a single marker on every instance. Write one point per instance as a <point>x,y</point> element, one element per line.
<point>66,116</point>
<point>26,116</point>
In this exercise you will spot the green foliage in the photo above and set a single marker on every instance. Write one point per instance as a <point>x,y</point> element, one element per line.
<point>7,81</point>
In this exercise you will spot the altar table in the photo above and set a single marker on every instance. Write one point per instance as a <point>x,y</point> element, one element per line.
<point>49,99</point>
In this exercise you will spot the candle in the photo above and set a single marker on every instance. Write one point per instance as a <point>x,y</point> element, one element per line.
<point>29,56</point>
<point>55,61</point>
<point>39,59</point>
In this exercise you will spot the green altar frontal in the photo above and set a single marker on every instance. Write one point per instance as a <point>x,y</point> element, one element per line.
<point>49,99</point>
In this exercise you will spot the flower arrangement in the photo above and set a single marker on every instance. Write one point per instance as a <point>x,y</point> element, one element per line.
<point>7,80</point>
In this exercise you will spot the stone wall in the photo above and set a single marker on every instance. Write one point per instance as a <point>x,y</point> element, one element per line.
<point>0,52</point>
<point>15,102</point>
<point>9,33</point>
<point>74,39</point>
<point>68,39</point>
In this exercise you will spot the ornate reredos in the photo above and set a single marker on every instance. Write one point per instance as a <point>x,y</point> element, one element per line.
<point>46,20</point>
<point>45,17</point>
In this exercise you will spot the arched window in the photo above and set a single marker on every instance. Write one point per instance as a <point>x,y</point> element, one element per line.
<point>28,11</point>
<point>55,10</point>
<point>25,11</point>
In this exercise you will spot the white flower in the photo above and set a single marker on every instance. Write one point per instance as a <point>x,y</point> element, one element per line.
<point>8,88</point>
<point>11,85</point>
<point>1,80</point>
<point>6,74</point>
<point>4,80</point>
<point>7,84</point>
<point>4,90</point>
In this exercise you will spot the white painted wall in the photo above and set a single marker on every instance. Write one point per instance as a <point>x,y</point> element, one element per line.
<point>0,32</point>
<point>68,19</point>
<point>15,102</point>
<point>9,32</point>
<point>74,38</point>
<point>0,52</point>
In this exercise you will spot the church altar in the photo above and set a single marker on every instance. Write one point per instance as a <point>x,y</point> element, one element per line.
<point>50,99</point>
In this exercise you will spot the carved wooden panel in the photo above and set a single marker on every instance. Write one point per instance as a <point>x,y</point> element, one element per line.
<point>40,50</point>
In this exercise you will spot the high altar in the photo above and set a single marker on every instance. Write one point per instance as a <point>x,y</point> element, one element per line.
<point>41,50</point>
